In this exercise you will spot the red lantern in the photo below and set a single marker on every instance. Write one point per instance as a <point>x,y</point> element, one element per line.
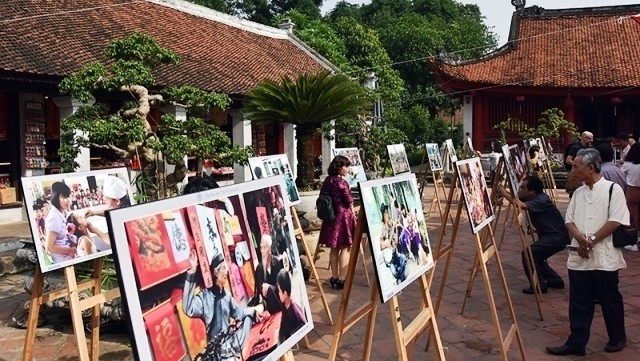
<point>616,101</point>
<point>520,99</point>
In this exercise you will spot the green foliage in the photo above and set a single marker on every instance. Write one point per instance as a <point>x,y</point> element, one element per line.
<point>511,125</point>
<point>551,124</point>
<point>311,99</point>
<point>320,36</point>
<point>265,11</point>
<point>128,132</point>
<point>344,9</point>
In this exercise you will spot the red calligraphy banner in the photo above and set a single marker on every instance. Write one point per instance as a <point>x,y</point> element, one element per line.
<point>150,250</point>
<point>201,251</point>
<point>164,333</point>
<point>263,337</point>
<point>194,331</point>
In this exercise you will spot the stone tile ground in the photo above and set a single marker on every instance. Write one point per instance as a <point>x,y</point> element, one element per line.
<point>465,337</point>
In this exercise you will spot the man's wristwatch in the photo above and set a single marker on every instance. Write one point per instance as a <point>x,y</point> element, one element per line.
<point>592,238</point>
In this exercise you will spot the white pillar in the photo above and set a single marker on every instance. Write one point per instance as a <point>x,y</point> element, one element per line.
<point>241,136</point>
<point>291,147</point>
<point>467,110</point>
<point>327,151</point>
<point>68,106</point>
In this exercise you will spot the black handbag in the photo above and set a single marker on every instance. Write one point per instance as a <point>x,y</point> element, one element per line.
<point>624,235</point>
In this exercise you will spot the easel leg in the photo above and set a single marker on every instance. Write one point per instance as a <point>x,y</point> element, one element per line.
<point>76,313</point>
<point>371,323</point>
<point>34,313</point>
<point>95,312</point>
<point>314,272</point>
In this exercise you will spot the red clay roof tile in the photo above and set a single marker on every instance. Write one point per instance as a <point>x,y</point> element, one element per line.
<point>58,37</point>
<point>573,48</point>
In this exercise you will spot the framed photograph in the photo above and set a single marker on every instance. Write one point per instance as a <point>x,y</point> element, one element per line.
<point>356,170</point>
<point>433,154</point>
<point>397,232</point>
<point>66,214</point>
<point>398,158</point>
<point>243,290</point>
<point>542,154</point>
<point>513,167</point>
<point>451,151</point>
<point>476,194</point>
<point>268,166</point>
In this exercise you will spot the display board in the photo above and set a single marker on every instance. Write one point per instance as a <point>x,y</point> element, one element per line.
<point>451,151</point>
<point>476,193</point>
<point>243,286</point>
<point>433,154</point>
<point>272,165</point>
<point>356,173</point>
<point>397,232</point>
<point>63,212</point>
<point>514,168</point>
<point>398,158</point>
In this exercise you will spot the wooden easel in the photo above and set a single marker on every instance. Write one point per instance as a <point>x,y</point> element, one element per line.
<point>76,306</point>
<point>484,252</point>
<point>316,257</point>
<point>404,337</point>
<point>297,231</point>
<point>438,184</point>
<point>529,261</point>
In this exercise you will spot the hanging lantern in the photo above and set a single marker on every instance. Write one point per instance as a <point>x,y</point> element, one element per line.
<point>520,99</point>
<point>616,101</point>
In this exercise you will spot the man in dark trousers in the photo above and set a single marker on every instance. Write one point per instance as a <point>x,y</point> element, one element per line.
<point>553,236</point>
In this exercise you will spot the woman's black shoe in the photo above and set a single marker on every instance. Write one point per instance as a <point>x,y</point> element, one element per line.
<point>333,282</point>
<point>339,284</point>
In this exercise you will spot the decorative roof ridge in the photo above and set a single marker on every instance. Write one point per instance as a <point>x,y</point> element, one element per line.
<point>230,20</point>
<point>536,11</point>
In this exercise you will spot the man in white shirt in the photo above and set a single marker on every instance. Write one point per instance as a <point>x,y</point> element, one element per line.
<point>593,265</point>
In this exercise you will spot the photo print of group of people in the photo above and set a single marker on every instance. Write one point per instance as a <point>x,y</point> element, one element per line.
<point>433,154</point>
<point>263,167</point>
<point>66,214</point>
<point>398,158</point>
<point>213,275</point>
<point>476,193</point>
<point>356,169</point>
<point>397,232</point>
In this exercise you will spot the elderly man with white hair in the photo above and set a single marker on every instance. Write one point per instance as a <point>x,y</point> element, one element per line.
<point>267,274</point>
<point>586,139</point>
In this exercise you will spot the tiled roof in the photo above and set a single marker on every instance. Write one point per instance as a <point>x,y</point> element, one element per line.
<point>217,52</point>
<point>570,48</point>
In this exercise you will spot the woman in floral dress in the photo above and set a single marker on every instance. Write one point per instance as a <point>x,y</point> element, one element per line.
<point>338,234</point>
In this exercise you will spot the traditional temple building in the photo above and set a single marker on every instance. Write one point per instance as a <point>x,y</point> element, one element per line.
<point>41,42</point>
<point>583,61</point>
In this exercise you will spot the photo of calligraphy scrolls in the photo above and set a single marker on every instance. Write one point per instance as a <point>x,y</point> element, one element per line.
<point>219,271</point>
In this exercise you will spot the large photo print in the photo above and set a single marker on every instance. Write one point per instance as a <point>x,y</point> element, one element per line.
<point>476,193</point>
<point>433,153</point>
<point>398,158</point>
<point>398,232</point>
<point>272,165</point>
<point>66,214</point>
<point>214,275</point>
<point>356,169</point>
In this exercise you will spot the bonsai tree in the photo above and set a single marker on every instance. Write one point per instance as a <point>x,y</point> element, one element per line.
<point>307,102</point>
<point>129,70</point>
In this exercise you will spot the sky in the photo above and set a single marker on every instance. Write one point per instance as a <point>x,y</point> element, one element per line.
<point>498,12</point>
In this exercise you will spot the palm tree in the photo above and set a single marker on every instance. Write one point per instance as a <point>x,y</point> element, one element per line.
<point>306,102</point>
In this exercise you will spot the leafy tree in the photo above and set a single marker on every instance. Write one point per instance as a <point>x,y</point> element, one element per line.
<point>128,132</point>
<point>264,11</point>
<point>225,6</point>
<point>345,9</point>
<point>307,102</point>
<point>365,52</point>
<point>320,36</point>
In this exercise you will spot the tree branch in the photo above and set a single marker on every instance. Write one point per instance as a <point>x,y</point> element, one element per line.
<point>119,151</point>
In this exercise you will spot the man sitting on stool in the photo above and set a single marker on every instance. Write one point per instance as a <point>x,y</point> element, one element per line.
<point>553,236</point>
